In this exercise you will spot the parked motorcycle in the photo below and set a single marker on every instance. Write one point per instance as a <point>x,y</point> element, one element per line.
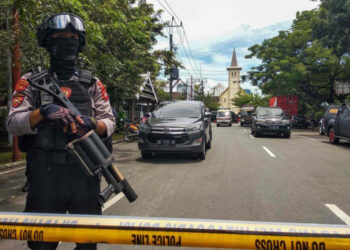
<point>131,132</point>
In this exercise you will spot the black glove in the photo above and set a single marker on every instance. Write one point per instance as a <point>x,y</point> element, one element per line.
<point>62,116</point>
<point>89,123</point>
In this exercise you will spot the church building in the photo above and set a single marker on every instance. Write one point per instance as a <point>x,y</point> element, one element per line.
<point>233,85</point>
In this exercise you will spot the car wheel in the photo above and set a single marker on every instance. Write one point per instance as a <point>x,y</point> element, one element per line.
<point>217,125</point>
<point>230,125</point>
<point>146,154</point>
<point>287,135</point>
<point>241,125</point>
<point>320,131</point>
<point>208,144</point>
<point>332,138</point>
<point>203,153</point>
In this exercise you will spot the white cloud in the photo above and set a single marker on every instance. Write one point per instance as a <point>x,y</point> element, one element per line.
<point>214,27</point>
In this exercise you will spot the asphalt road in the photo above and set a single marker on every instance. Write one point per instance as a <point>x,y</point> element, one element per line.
<point>243,178</point>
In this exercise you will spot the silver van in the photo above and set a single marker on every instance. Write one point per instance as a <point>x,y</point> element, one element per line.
<point>223,117</point>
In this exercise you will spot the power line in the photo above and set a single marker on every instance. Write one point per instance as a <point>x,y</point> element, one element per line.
<point>181,40</point>
<point>189,48</point>
<point>172,10</point>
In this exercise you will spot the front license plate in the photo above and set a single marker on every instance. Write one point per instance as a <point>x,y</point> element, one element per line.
<point>274,127</point>
<point>166,142</point>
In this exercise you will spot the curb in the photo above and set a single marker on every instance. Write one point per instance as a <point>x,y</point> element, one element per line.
<point>23,162</point>
<point>117,141</point>
<point>12,165</point>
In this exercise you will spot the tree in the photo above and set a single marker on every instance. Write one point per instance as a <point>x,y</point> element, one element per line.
<point>255,100</point>
<point>120,39</point>
<point>242,99</point>
<point>160,86</point>
<point>296,63</point>
<point>210,103</point>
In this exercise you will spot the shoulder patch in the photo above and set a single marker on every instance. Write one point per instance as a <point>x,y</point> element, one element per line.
<point>17,100</point>
<point>21,85</point>
<point>103,91</point>
<point>67,91</point>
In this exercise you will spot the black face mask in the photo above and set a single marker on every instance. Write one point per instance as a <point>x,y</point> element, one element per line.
<point>63,54</point>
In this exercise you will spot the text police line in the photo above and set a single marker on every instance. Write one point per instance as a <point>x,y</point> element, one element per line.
<point>23,234</point>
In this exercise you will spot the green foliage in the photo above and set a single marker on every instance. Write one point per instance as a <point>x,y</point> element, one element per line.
<point>160,86</point>
<point>306,59</point>
<point>120,39</point>
<point>256,99</point>
<point>120,119</point>
<point>210,103</point>
<point>242,98</point>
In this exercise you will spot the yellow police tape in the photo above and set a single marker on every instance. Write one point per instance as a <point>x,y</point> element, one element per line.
<point>172,232</point>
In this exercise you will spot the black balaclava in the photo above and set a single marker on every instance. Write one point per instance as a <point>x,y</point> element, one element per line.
<point>63,54</point>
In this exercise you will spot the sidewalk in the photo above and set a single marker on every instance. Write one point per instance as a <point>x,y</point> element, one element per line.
<point>10,165</point>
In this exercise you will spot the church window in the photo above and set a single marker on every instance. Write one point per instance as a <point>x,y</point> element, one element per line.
<point>235,74</point>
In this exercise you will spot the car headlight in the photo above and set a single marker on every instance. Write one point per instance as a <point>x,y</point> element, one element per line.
<point>260,121</point>
<point>144,128</point>
<point>193,129</point>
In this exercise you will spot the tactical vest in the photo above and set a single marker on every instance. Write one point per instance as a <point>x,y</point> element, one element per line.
<point>49,142</point>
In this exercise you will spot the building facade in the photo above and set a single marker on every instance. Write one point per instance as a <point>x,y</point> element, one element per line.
<point>234,86</point>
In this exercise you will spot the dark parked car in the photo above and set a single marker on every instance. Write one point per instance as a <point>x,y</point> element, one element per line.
<point>299,121</point>
<point>339,128</point>
<point>234,117</point>
<point>267,120</point>
<point>181,126</point>
<point>246,117</point>
<point>213,116</point>
<point>328,118</point>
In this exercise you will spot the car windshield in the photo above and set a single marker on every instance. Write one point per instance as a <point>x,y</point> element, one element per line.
<point>223,113</point>
<point>270,112</point>
<point>246,113</point>
<point>178,110</point>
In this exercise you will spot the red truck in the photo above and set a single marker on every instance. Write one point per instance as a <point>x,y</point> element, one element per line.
<point>288,103</point>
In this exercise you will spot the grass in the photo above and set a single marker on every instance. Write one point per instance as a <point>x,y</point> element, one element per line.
<point>118,136</point>
<point>6,157</point>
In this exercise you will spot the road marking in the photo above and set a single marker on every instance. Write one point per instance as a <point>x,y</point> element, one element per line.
<point>112,201</point>
<point>269,152</point>
<point>312,139</point>
<point>338,212</point>
<point>251,136</point>
<point>9,171</point>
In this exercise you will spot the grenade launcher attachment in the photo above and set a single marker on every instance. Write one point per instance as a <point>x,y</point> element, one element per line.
<point>89,149</point>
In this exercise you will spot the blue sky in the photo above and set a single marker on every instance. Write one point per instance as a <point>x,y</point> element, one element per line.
<point>214,28</point>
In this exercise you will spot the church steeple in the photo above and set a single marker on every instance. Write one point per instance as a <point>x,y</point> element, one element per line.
<point>234,59</point>
<point>234,64</point>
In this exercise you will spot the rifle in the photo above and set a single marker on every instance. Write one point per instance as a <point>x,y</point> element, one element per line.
<point>89,149</point>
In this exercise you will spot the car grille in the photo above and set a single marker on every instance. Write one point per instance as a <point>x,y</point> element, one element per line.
<point>179,138</point>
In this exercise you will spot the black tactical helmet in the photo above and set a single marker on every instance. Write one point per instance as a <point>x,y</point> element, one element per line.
<point>57,23</point>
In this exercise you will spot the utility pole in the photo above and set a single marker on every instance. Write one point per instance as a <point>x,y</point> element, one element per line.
<point>171,78</point>
<point>191,89</point>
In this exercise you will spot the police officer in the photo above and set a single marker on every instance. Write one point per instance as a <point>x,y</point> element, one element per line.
<point>57,182</point>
